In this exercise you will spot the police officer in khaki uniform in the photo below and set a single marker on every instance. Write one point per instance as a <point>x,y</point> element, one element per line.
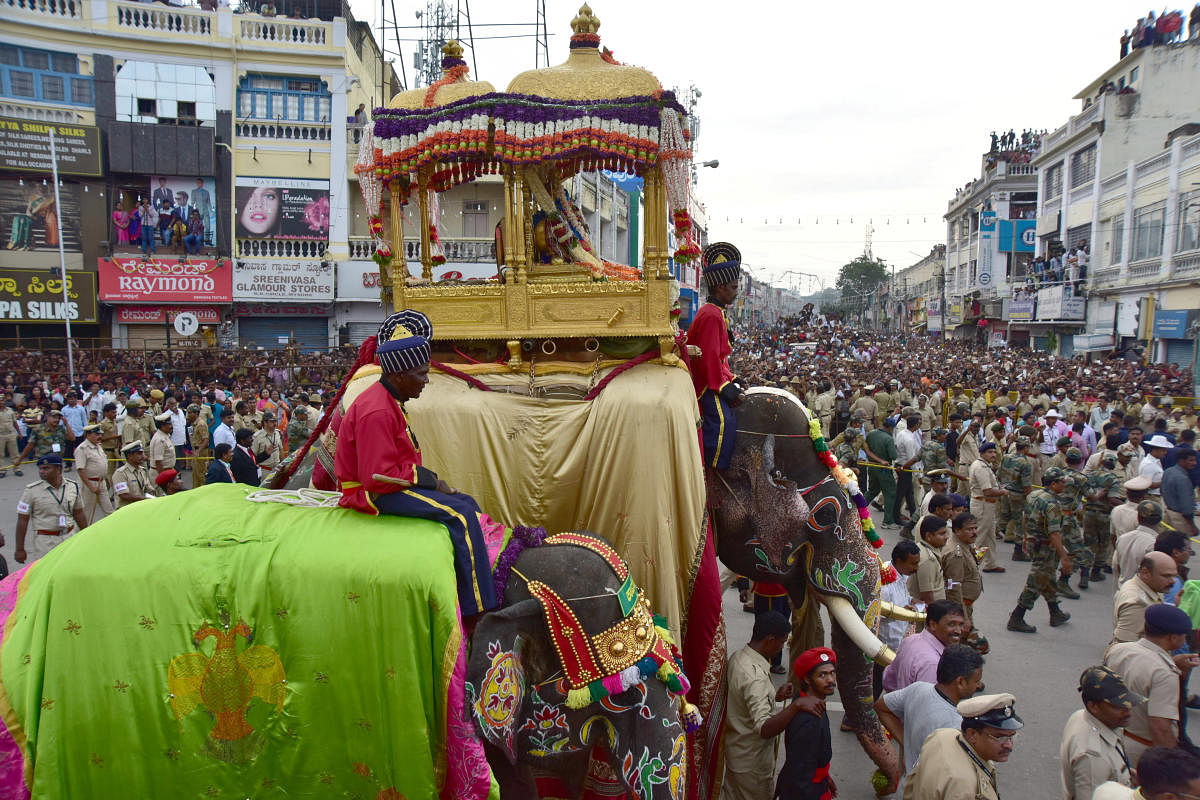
<point>1091,751</point>
<point>8,433</point>
<point>91,466</point>
<point>54,507</point>
<point>961,765</point>
<point>161,451</point>
<point>138,427</point>
<point>267,444</point>
<point>110,437</point>
<point>131,481</point>
<point>198,436</point>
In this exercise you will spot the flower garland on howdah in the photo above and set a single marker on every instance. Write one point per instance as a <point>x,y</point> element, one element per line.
<point>844,478</point>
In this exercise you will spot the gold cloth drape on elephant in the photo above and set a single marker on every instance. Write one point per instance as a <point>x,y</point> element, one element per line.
<point>625,465</point>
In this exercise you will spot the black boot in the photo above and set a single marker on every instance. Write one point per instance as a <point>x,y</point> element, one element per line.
<point>1097,574</point>
<point>1063,586</point>
<point>1083,577</point>
<point>1058,616</point>
<point>1019,554</point>
<point>1017,623</point>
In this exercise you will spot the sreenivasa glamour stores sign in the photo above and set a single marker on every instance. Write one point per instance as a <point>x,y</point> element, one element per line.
<point>283,281</point>
<point>132,280</point>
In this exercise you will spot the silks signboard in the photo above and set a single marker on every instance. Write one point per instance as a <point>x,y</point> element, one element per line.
<point>167,280</point>
<point>30,295</point>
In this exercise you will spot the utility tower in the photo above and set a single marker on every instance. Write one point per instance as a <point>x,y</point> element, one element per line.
<point>440,22</point>
<point>541,46</point>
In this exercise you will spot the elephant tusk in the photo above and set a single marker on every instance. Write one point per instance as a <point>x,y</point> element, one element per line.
<point>893,611</point>
<point>848,620</point>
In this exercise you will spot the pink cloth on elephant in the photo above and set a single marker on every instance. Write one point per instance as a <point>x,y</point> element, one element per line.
<point>12,760</point>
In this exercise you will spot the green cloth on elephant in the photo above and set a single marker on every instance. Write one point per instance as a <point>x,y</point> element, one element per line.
<point>117,667</point>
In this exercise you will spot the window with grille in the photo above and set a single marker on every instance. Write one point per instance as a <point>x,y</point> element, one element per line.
<point>1189,222</point>
<point>1117,239</point>
<point>1083,166</point>
<point>282,98</point>
<point>41,75</point>
<point>1148,231</point>
<point>1054,180</point>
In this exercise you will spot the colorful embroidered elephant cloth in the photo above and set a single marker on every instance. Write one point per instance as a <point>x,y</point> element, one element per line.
<point>203,645</point>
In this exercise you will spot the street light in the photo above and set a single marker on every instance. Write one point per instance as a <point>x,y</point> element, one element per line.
<point>714,163</point>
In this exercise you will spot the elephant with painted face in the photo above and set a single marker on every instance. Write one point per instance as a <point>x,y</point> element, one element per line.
<point>779,515</point>
<point>570,609</point>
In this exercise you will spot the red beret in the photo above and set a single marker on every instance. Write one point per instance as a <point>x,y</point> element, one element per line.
<point>165,477</point>
<point>809,660</point>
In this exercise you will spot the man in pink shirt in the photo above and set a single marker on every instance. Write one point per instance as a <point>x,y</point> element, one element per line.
<point>918,656</point>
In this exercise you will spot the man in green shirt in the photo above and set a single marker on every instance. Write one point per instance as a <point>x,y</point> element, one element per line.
<point>881,453</point>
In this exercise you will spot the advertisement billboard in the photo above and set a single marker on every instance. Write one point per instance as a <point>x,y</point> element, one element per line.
<point>285,281</point>
<point>281,208</point>
<point>25,147</point>
<point>132,280</point>
<point>145,315</point>
<point>1017,235</point>
<point>987,236</point>
<point>31,295</point>
<point>1020,310</point>
<point>31,219</point>
<point>187,194</point>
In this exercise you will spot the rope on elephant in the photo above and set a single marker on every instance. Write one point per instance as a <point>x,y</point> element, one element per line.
<point>305,498</point>
<point>631,363</point>
<point>470,380</point>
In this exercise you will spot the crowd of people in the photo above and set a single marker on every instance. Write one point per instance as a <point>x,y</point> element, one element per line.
<point>1163,29</point>
<point>1088,470</point>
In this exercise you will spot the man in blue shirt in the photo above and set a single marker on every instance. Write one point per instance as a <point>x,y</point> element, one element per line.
<point>1179,493</point>
<point>76,417</point>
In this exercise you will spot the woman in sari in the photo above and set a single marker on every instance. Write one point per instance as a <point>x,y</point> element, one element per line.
<point>120,218</point>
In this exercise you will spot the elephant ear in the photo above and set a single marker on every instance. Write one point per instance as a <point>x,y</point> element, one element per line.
<point>497,674</point>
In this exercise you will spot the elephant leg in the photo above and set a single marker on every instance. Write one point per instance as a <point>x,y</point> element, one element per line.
<point>854,674</point>
<point>515,781</point>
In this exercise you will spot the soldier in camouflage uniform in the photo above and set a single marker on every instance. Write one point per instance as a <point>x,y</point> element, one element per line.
<point>1016,475</point>
<point>1104,492</point>
<point>298,430</point>
<point>1072,503</point>
<point>1044,527</point>
<point>44,435</point>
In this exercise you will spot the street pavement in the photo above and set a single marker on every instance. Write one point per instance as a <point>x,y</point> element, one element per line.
<point>1041,670</point>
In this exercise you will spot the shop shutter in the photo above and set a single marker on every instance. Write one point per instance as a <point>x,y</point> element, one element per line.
<point>1041,343</point>
<point>1179,351</point>
<point>359,332</point>
<point>1066,345</point>
<point>312,333</point>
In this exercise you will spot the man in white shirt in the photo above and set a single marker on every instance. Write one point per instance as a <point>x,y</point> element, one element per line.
<point>1133,546</point>
<point>1100,414</point>
<point>1053,431</point>
<point>1151,466</point>
<point>178,426</point>
<point>224,431</point>
<point>908,452</point>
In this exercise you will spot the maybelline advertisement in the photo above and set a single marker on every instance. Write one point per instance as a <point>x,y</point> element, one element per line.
<point>281,208</point>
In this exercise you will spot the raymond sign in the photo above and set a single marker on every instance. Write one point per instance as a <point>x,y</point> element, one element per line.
<point>147,315</point>
<point>131,280</point>
<point>25,146</point>
<point>28,295</point>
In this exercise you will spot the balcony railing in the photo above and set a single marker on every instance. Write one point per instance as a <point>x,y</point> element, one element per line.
<point>1152,165</point>
<point>1146,268</point>
<point>1187,263</point>
<point>64,9</point>
<point>1081,193</point>
<point>1108,275</point>
<point>285,31</point>
<point>283,129</point>
<point>281,248</point>
<point>361,249</point>
<point>146,17</point>
<point>39,113</point>
<point>1085,118</point>
<point>1112,182</point>
<point>462,251</point>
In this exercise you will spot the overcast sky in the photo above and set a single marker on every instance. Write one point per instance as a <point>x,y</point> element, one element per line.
<point>827,122</point>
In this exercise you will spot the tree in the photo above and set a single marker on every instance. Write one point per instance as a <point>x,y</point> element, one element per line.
<point>858,280</point>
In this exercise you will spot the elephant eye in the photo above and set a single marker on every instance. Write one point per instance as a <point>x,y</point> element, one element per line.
<point>824,514</point>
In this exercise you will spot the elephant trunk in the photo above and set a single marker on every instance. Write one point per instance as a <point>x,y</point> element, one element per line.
<point>855,685</point>
<point>844,615</point>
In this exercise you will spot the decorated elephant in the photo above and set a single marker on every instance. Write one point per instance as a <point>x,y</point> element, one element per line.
<point>784,513</point>
<point>574,681</point>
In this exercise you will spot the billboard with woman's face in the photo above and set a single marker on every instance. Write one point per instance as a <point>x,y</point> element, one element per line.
<point>281,208</point>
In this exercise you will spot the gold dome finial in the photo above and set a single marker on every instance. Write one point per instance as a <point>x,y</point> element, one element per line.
<point>585,21</point>
<point>452,49</point>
